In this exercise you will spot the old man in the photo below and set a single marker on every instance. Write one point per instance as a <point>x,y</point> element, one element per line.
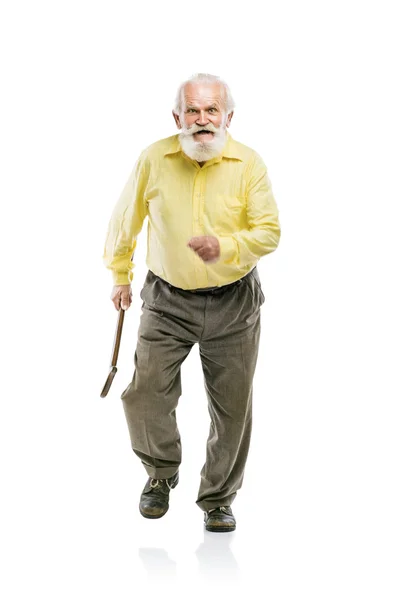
<point>211,216</point>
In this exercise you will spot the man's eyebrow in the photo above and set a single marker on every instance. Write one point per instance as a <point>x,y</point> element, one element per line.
<point>193,106</point>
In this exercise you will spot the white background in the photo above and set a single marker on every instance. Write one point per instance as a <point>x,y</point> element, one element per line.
<point>85,87</point>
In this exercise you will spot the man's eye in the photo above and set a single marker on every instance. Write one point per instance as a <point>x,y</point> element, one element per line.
<point>191,110</point>
<point>212,109</point>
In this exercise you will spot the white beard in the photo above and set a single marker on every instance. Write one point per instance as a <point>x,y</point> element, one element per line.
<point>205,150</point>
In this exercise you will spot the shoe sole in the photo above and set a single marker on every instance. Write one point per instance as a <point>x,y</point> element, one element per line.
<point>220,529</point>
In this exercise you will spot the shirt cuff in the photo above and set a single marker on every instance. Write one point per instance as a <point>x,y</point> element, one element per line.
<point>124,278</point>
<point>228,249</point>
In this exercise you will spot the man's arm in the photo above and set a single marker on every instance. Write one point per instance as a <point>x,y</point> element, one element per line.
<point>262,237</point>
<point>126,223</point>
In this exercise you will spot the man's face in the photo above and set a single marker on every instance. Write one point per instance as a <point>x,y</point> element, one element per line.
<point>203,121</point>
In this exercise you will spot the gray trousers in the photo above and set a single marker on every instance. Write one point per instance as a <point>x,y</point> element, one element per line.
<point>225,322</point>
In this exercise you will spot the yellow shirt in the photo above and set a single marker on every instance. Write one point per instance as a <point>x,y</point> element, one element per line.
<point>229,197</point>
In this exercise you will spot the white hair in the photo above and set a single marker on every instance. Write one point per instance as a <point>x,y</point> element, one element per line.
<point>204,78</point>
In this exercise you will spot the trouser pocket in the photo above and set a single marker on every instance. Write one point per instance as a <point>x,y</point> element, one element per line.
<point>254,285</point>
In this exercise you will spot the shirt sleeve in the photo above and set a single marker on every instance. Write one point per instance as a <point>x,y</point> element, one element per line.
<point>263,233</point>
<point>126,223</point>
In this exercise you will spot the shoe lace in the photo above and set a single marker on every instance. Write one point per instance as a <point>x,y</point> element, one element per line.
<point>222,508</point>
<point>158,482</point>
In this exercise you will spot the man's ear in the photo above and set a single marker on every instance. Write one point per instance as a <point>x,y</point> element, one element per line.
<point>229,118</point>
<point>177,120</point>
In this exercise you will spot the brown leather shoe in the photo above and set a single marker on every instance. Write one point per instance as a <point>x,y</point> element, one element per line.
<point>154,501</point>
<point>220,519</point>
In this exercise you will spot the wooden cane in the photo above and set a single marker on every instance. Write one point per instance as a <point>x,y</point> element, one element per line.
<point>116,347</point>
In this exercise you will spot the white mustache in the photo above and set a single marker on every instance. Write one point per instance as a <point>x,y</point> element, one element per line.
<point>194,129</point>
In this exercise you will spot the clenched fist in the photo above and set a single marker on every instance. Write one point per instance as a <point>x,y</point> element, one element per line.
<point>206,246</point>
<point>121,296</point>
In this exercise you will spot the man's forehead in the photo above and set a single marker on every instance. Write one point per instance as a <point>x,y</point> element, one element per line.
<point>195,94</point>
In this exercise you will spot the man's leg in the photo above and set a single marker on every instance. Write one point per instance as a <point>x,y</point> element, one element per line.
<point>229,354</point>
<point>150,400</point>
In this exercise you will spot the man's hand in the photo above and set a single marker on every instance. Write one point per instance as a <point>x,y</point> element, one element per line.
<point>121,295</point>
<point>206,246</point>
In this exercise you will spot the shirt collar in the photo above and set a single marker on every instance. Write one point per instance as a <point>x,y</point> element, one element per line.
<point>230,150</point>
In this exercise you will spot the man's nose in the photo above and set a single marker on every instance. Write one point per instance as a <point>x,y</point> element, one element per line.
<point>202,119</point>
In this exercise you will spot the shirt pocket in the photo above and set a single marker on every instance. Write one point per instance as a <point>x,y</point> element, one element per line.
<point>228,213</point>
